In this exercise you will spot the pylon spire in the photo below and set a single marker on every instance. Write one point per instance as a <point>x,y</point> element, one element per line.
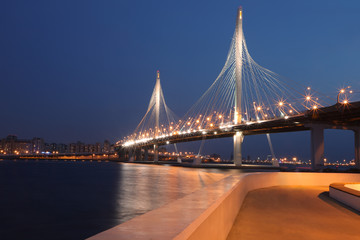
<point>239,62</point>
<point>157,102</point>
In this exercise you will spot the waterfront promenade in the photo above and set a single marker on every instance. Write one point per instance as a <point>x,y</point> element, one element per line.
<point>277,210</point>
<point>294,212</point>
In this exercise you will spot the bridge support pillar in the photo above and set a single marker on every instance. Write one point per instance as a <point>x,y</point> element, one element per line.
<point>156,153</point>
<point>138,154</point>
<point>146,154</point>
<point>317,147</point>
<point>197,160</point>
<point>131,156</point>
<point>357,148</point>
<point>238,139</point>
<point>121,153</point>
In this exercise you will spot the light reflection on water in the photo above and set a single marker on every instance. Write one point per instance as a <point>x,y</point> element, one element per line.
<point>75,200</point>
<point>146,187</point>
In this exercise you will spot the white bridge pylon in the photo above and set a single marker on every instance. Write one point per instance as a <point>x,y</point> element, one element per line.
<point>157,121</point>
<point>244,92</point>
<point>239,36</point>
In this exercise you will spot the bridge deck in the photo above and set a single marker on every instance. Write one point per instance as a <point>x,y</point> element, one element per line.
<point>338,115</point>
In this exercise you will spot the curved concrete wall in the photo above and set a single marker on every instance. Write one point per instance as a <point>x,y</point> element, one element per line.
<point>210,212</point>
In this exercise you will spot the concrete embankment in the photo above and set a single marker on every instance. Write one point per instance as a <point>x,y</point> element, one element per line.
<point>210,212</point>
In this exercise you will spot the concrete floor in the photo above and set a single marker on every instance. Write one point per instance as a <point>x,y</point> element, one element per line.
<point>294,212</point>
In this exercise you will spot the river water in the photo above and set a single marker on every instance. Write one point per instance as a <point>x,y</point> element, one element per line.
<point>75,200</point>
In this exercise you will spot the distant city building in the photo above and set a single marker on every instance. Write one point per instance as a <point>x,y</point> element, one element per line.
<point>52,148</point>
<point>11,145</point>
<point>38,145</point>
<point>106,147</point>
<point>97,147</point>
<point>62,148</point>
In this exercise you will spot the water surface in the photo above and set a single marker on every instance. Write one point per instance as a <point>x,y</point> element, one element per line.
<point>75,200</point>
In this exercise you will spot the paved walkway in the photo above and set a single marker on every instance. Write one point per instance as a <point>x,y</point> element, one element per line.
<point>294,213</point>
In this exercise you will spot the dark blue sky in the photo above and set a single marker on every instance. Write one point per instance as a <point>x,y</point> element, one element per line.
<point>84,70</point>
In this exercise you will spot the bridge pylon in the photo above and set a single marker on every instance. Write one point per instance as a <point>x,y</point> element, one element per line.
<point>238,137</point>
<point>157,92</point>
<point>158,121</point>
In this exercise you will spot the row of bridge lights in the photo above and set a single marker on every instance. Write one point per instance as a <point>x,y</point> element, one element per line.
<point>219,117</point>
<point>174,130</point>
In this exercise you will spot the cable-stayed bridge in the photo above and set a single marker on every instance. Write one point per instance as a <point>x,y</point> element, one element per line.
<point>245,99</point>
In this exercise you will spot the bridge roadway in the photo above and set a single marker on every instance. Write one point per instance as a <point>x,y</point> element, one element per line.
<point>338,116</point>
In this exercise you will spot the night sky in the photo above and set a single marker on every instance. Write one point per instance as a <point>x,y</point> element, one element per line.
<point>85,70</point>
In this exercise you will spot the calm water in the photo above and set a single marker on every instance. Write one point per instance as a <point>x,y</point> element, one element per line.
<point>75,200</point>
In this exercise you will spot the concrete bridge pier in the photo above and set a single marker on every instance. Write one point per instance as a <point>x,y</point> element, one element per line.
<point>156,153</point>
<point>317,146</point>
<point>131,155</point>
<point>122,153</point>
<point>238,139</point>
<point>146,154</point>
<point>138,154</point>
<point>197,160</point>
<point>357,148</point>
